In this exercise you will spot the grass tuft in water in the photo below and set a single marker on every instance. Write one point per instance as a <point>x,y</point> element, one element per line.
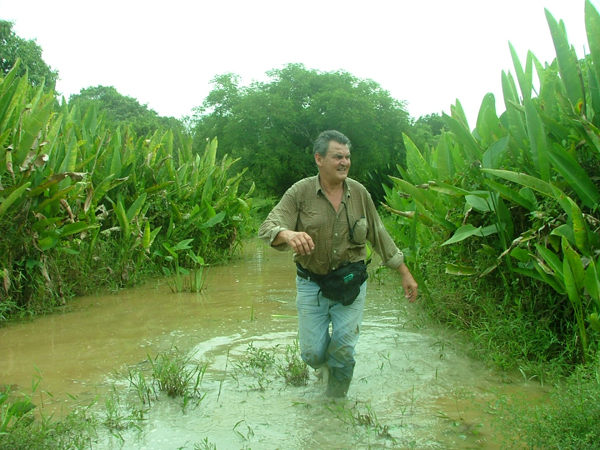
<point>21,428</point>
<point>178,374</point>
<point>295,370</point>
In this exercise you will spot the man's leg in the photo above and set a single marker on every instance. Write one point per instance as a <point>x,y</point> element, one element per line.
<point>313,323</point>
<point>346,322</point>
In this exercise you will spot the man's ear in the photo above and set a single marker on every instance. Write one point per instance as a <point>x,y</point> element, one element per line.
<point>318,158</point>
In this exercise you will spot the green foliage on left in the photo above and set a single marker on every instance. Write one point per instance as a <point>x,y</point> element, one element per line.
<point>13,47</point>
<point>122,110</point>
<point>83,205</point>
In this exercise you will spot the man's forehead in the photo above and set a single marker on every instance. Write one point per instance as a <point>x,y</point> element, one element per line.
<point>337,147</point>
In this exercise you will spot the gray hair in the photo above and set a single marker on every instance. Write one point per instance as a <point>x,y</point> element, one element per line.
<point>321,144</point>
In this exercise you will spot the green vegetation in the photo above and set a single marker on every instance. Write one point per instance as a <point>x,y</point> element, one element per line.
<point>512,208</point>
<point>173,374</point>
<point>501,223</point>
<point>121,110</point>
<point>14,47</point>
<point>84,205</point>
<point>271,125</point>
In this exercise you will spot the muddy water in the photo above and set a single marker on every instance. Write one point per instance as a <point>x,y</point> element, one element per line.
<point>413,386</point>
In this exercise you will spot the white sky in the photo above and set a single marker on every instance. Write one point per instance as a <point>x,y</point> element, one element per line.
<point>164,53</point>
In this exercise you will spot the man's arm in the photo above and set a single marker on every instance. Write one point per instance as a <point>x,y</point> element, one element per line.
<point>409,284</point>
<point>300,241</point>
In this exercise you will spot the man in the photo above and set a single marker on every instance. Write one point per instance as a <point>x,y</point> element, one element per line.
<point>327,220</point>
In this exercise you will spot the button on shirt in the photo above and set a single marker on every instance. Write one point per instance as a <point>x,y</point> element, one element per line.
<point>305,207</point>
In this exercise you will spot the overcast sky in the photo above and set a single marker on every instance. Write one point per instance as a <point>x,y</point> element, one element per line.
<point>165,53</point>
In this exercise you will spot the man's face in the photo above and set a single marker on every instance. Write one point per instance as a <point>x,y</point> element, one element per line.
<point>335,165</point>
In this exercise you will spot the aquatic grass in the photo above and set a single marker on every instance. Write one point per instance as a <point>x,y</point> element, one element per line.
<point>178,375</point>
<point>137,381</point>
<point>249,431</point>
<point>256,359</point>
<point>22,428</point>
<point>360,417</point>
<point>294,370</point>
<point>119,416</point>
<point>205,445</point>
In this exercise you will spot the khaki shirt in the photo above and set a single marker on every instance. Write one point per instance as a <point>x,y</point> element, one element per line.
<point>304,207</point>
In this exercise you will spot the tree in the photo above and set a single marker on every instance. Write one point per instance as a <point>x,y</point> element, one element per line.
<point>271,125</point>
<point>123,110</point>
<point>427,130</point>
<point>12,47</point>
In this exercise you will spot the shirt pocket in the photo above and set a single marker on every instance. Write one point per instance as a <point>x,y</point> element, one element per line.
<point>359,231</point>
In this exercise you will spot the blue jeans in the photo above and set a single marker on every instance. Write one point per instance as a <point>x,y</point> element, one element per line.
<point>317,345</point>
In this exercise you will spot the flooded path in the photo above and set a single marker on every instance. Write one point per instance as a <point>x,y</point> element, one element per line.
<point>413,387</point>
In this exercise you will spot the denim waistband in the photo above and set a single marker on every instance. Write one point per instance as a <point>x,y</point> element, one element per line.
<point>307,274</point>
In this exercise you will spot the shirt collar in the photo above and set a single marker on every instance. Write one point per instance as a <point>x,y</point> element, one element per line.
<point>317,186</point>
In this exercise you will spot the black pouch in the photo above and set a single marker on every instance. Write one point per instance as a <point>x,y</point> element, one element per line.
<point>343,284</point>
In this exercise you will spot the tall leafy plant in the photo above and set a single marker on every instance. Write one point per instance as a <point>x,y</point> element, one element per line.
<point>522,186</point>
<point>82,204</point>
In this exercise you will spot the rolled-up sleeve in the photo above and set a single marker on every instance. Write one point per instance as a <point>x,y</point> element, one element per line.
<point>283,217</point>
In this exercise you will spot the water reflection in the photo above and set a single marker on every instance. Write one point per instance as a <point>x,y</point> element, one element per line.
<point>413,388</point>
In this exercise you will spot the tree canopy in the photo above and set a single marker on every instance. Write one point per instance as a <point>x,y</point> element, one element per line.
<point>123,110</point>
<point>271,125</point>
<point>12,47</point>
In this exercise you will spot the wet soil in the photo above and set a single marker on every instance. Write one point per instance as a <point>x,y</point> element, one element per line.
<point>414,386</point>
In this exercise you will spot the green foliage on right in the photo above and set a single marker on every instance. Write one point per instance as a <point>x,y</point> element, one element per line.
<point>568,419</point>
<point>514,203</point>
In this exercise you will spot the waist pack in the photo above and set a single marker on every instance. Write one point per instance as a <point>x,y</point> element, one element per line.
<point>343,284</point>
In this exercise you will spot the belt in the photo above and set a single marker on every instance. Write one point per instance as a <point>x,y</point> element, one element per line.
<point>307,274</point>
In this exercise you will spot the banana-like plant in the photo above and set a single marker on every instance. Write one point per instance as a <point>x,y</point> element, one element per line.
<point>533,169</point>
<point>71,186</point>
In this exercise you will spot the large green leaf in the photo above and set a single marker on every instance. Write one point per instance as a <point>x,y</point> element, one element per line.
<point>445,160</point>
<point>512,195</point>
<point>567,61</point>
<point>495,153</point>
<point>136,207</point>
<point>580,230</point>
<point>464,232</point>
<point>77,227</point>
<point>419,195</point>
<point>592,28</point>
<point>524,76</point>
<point>33,122</point>
<point>573,174</point>
<point>465,138</point>
<point>122,217</point>
<point>455,269</point>
<point>417,167</point>
<point>514,112</point>
<point>592,283</point>
<point>537,140</point>
<point>12,198</point>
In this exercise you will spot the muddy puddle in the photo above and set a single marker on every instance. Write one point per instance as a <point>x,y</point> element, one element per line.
<point>413,387</point>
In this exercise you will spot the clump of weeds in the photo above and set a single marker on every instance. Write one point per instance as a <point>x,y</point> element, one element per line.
<point>294,370</point>
<point>257,363</point>
<point>172,372</point>
<point>24,427</point>
<point>360,416</point>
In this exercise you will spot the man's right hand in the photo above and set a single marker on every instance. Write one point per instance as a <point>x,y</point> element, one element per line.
<point>300,241</point>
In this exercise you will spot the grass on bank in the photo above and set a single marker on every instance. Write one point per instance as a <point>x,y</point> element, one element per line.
<point>518,326</point>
